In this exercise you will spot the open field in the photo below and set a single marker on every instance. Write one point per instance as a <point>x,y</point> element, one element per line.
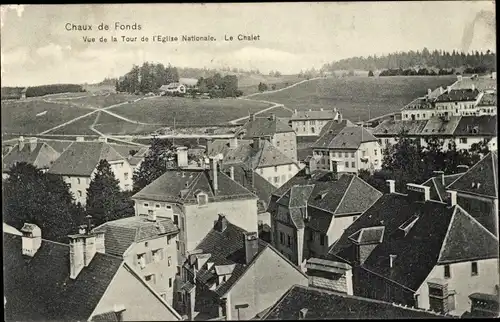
<point>163,110</point>
<point>249,84</point>
<point>21,116</point>
<point>102,100</point>
<point>79,127</point>
<point>354,96</point>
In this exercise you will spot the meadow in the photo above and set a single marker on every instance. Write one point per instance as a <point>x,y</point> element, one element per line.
<point>194,112</point>
<point>96,101</point>
<point>79,127</point>
<point>358,98</point>
<point>249,84</point>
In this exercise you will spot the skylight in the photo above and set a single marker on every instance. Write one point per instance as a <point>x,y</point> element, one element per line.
<point>408,224</point>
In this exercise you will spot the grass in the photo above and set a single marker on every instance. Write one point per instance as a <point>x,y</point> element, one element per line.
<point>194,112</point>
<point>101,100</point>
<point>354,96</point>
<point>80,127</point>
<point>250,84</point>
<point>19,117</point>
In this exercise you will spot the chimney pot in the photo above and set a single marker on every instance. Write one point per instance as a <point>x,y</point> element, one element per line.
<point>31,239</point>
<point>392,185</point>
<point>251,245</point>
<point>453,197</point>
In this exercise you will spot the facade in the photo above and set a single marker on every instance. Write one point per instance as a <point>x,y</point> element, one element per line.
<point>193,200</point>
<point>149,245</point>
<point>78,163</point>
<point>311,211</point>
<point>310,123</point>
<point>353,147</point>
<point>258,154</point>
<point>279,134</point>
<point>52,281</point>
<point>415,251</point>
<point>39,154</point>
<point>232,275</point>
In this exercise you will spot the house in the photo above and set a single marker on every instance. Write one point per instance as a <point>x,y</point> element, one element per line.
<point>39,154</point>
<point>258,154</point>
<point>45,280</point>
<point>483,306</point>
<point>415,251</point>
<point>311,303</point>
<point>353,146</point>
<point>233,275</point>
<point>193,199</point>
<point>475,129</point>
<point>173,88</point>
<point>133,153</point>
<point>189,82</point>
<point>78,163</point>
<point>148,244</point>
<point>23,93</point>
<point>312,210</point>
<point>275,131</point>
<point>310,123</point>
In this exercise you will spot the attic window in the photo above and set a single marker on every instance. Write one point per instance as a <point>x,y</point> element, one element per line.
<point>202,199</point>
<point>408,224</point>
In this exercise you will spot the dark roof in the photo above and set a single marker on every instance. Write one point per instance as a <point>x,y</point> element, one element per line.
<point>321,304</point>
<point>437,231</point>
<point>263,188</point>
<point>81,158</point>
<point>264,126</point>
<point>302,178</point>
<point>169,185</point>
<point>25,155</point>
<point>484,173</point>
<point>40,288</point>
<point>106,317</point>
<point>329,131</point>
<point>395,127</point>
<point>439,126</point>
<point>120,234</point>
<point>458,95</point>
<point>350,137</point>
<point>58,145</point>
<point>313,115</point>
<point>488,99</point>
<point>438,190</point>
<point>484,125</point>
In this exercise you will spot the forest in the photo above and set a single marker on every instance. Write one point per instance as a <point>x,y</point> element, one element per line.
<point>147,78</point>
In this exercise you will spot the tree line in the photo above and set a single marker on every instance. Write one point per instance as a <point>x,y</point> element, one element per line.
<point>218,86</point>
<point>34,91</point>
<point>404,60</point>
<point>147,78</point>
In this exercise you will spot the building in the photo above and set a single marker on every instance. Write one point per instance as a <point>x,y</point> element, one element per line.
<point>23,93</point>
<point>189,82</point>
<point>311,303</point>
<point>483,306</point>
<point>45,280</point>
<point>275,131</point>
<point>39,154</point>
<point>411,250</point>
<point>133,153</point>
<point>233,275</point>
<point>311,211</point>
<point>310,123</point>
<point>193,199</point>
<point>474,130</point>
<point>78,163</point>
<point>148,244</point>
<point>258,154</point>
<point>173,88</point>
<point>353,147</point>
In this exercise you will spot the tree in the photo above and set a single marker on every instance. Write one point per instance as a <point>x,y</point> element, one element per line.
<point>30,196</point>
<point>105,201</point>
<point>370,74</point>
<point>154,164</point>
<point>262,87</point>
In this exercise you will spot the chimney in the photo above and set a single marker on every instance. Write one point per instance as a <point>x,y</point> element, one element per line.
<point>392,186</point>
<point>392,258</point>
<point>473,87</point>
<point>214,174</point>
<point>302,313</point>
<point>80,139</point>
<point>21,143</point>
<point>32,143</point>
<point>251,246</point>
<point>151,216</point>
<point>272,117</point>
<point>102,139</point>
<point>82,248</point>
<point>182,157</point>
<point>220,224</point>
<point>453,197</point>
<point>233,143</point>
<point>231,172</point>
<point>209,145</point>
<point>459,78</point>
<point>252,117</point>
<point>257,143</point>
<point>31,239</point>
<point>119,309</point>
<point>441,173</point>
<point>418,192</point>
<point>429,91</point>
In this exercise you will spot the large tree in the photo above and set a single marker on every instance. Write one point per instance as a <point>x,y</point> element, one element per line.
<point>155,163</point>
<point>31,196</point>
<point>105,201</point>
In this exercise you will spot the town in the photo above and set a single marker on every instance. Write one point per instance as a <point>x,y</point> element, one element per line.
<point>176,194</point>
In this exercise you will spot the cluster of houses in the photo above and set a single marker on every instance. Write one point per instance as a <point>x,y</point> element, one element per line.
<point>252,231</point>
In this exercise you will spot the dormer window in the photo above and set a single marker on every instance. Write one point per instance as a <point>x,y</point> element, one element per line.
<point>202,199</point>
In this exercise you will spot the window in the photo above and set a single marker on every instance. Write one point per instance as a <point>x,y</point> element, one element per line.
<point>177,244</point>
<point>270,179</point>
<point>289,240</point>
<point>473,268</point>
<point>346,155</point>
<point>126,175</point>
<point>169,261</point>
<point>79,193</point>
<point>276,179</point>
<point>150,278</point>
<point>178,271</point>
<point>202,199</point>
<point>157,205</point>
<point>347,164</point>
<point>78,180</point>
<point>146,204</point>
<point>352,155</point>
<point>463,140</point>
<point>447,272</point>
<point>157,255</point>
<point>168,240</point>
<point>322,240</point>
<point>375,151</point>
<point>277,143</point>
<point>313,130</point>
<point>289,167</point>
<point>312,122</point>
<point>282,238</point>
<point>176,219</point>
<point>353,164</point>
<point>275,168</point>
<point>141,260</point>
<point>283,178</point>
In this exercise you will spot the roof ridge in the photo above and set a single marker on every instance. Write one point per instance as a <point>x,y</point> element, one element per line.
<point>343,196</point>
<point>470,168</point>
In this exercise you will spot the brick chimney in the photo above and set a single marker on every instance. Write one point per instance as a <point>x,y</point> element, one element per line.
<point>82,248</point>
<point>31,239</point>
<point>220,224</point>
<point>182,156</point>
<point>20,143</point>
<point>32,142</point>
<point>251,245</point>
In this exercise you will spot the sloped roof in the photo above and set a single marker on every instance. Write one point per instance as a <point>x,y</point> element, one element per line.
<point>81,158</point>
<point>313,115</point>
<point>438,190</point>
<point>488,99</point>
<point>58,145</point>
<point>484,173</point>
<point>169,185</point>
<point>458,95</point>
<point>188,81</point>
<point>484,125</point>
<point>329,132</point>
<point>40,288</point>
<point>322,304</point>
<point>350,137</point>
<point>120,234</point>
<point>438,126</point>
<point>417,252</point>
<point>481,83</point>
<point>264,126</point>
<point>392,127</point>
<point>24,155</point>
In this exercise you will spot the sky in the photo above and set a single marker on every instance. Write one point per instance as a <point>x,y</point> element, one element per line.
<point>37,49</point>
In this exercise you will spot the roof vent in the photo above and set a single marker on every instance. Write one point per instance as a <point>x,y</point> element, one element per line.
<point>391,260</point>
<point>408,224</point>
<point>302,313</point>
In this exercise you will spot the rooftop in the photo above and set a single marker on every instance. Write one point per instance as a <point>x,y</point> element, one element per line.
<point>484,125</point>
<point>481,83</point>
<point>350,137</point>
<point>321,304</point>
<point>122,233</point>
<point>459,95</point>
<point>25,155</point>
<point>313,115</point>
<point>260,127</point>
<point>440,126</point>
<point>488,99</point>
